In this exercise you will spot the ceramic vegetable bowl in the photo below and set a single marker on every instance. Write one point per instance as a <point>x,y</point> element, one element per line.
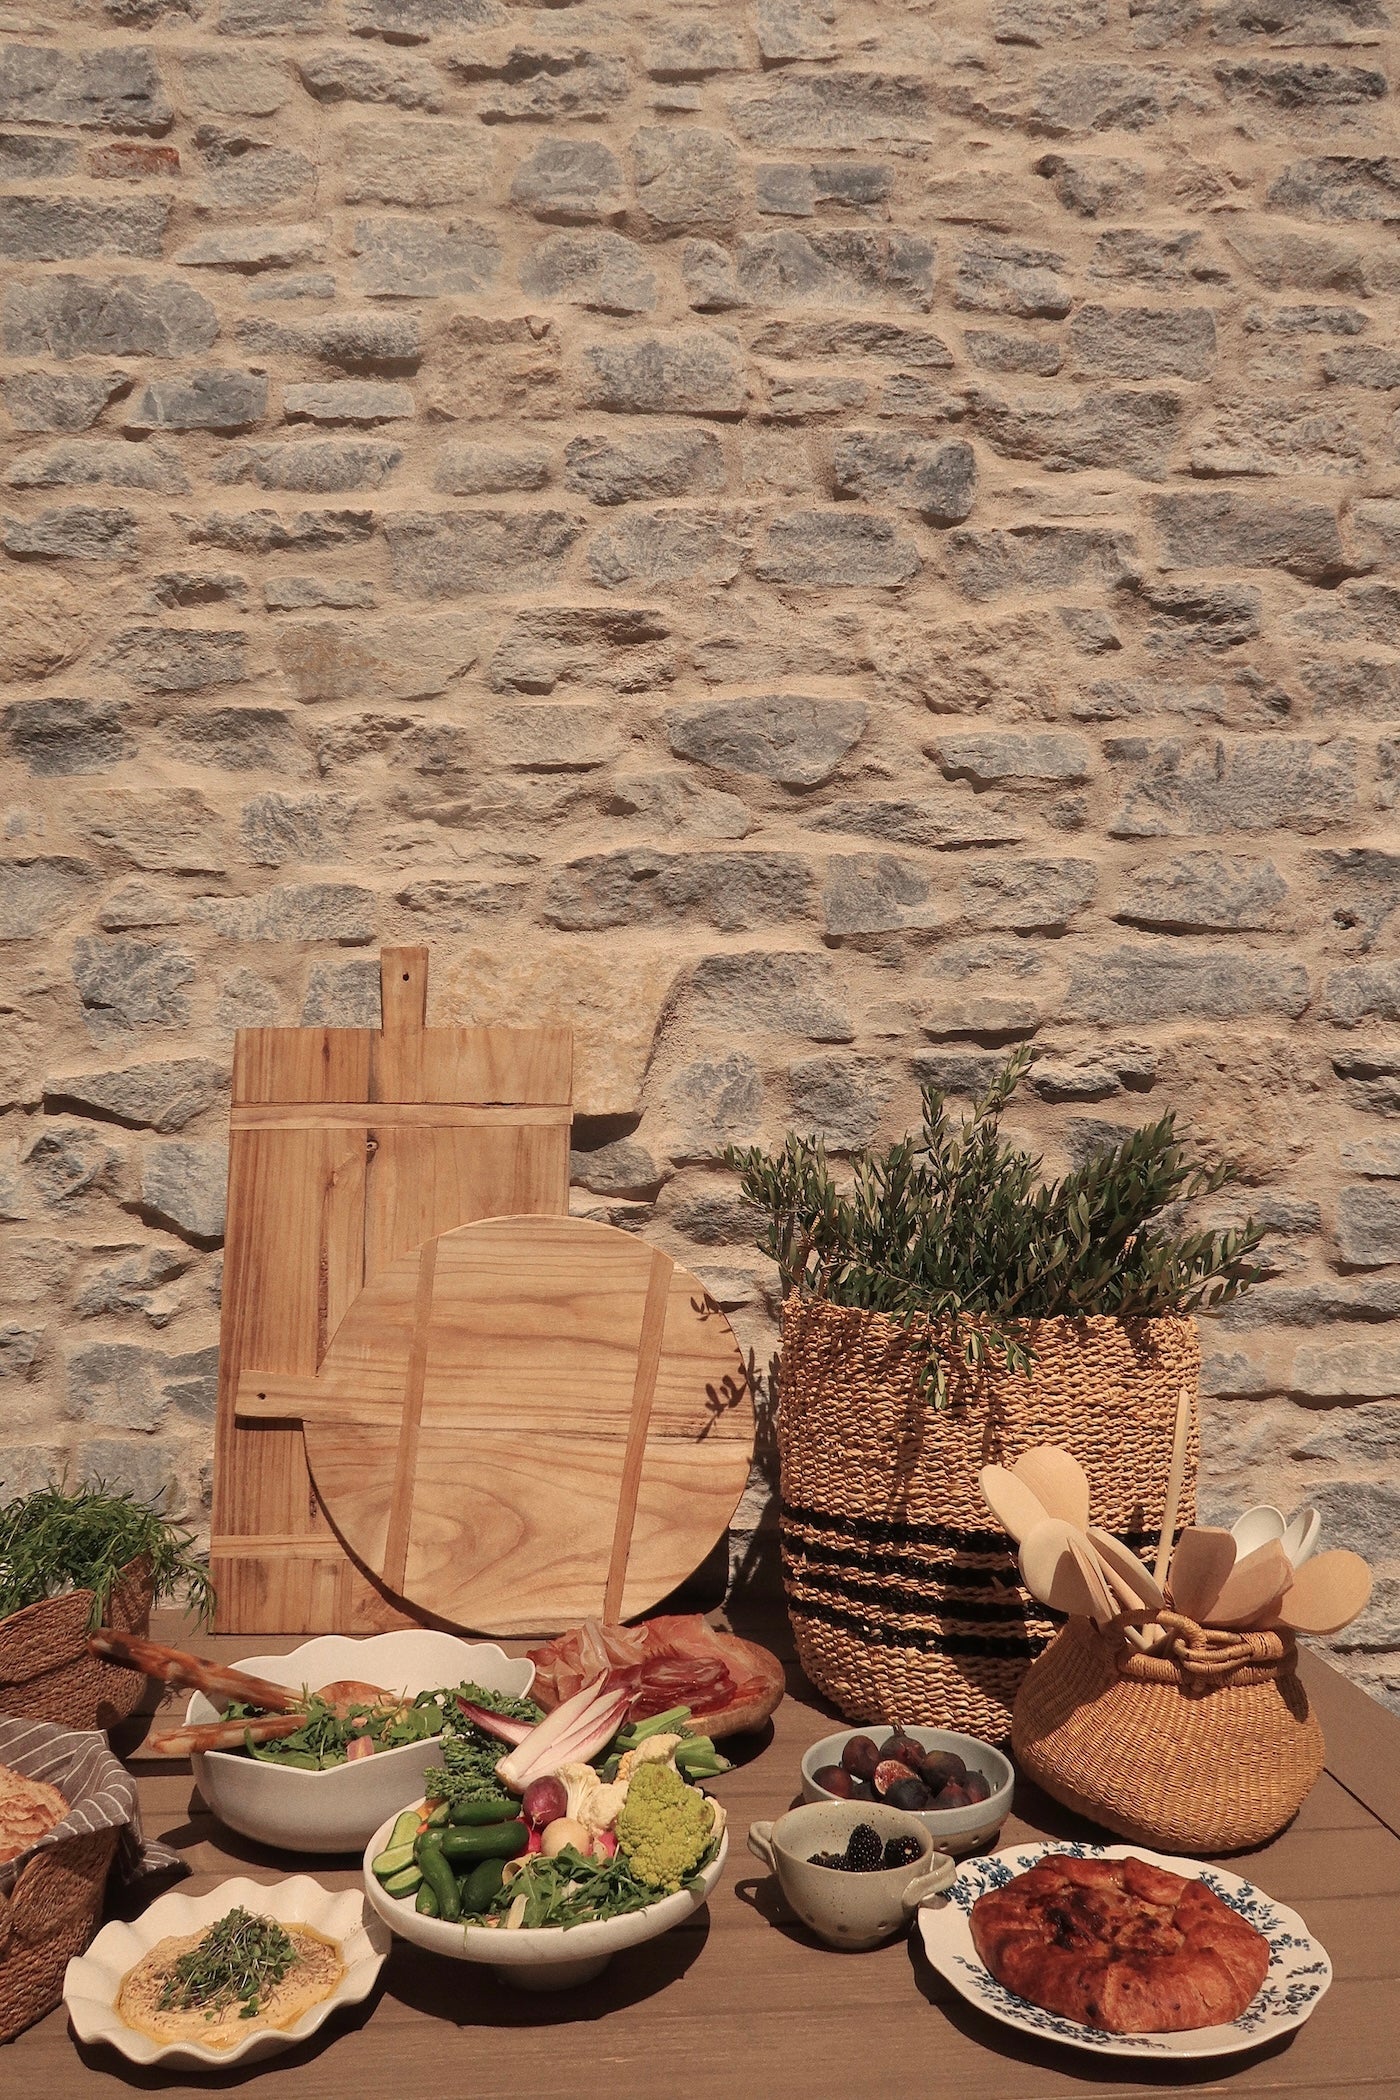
<point>953,1830</point>
<point>549,1958</point>
<point>335,1811</point>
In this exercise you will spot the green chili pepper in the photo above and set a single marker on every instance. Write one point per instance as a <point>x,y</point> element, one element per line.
<point>439,1876</point>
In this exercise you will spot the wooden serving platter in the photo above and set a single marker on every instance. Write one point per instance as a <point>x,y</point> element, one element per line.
<point>525,1422</point>
<point>348,1147</point>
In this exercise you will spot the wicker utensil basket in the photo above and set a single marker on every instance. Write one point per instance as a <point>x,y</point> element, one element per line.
<point>1208,1744</point>
<point>46,1672</point>
<point>905,1601</point>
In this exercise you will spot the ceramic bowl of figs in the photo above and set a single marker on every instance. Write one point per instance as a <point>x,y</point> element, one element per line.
<point>959,1788</point>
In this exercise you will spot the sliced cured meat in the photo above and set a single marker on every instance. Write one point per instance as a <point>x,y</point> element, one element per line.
<point>1120,1945</point>
<point>729,1684</point>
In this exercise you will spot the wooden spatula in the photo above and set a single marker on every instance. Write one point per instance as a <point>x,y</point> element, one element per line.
<point>1127,1569</point>
<point>1251,1584</point>
<point>1326,1593</point>
<point>1011,1501</point>
<point>1056,1567</point>
<point>1200,1566</point>
<point>1058,1480</point>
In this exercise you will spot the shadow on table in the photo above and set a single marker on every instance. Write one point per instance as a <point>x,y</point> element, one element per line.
<point>1083,2064</point>
<point>150,2078</point>
<point>475,1994</point>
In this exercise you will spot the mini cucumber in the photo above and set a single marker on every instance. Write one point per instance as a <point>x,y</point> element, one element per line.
<point>406,1882</point>
<point>499,1810</point>
<point>425,1902</point>
<point>392,1860</point>
<point>487,1841</point>
<point>404,1831</point>
<point>478,1887</point>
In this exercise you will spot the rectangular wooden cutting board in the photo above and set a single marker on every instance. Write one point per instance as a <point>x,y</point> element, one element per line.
<point>348,1147</point>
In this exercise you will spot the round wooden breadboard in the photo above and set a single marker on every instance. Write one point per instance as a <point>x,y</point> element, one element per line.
<point>530,1420</point>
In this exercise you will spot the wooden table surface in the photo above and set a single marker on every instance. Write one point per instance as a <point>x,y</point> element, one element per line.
<point>741,2001</point>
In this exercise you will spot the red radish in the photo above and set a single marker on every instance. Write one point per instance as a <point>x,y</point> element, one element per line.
<point>544,1801</point>
<point>604,1844</point>
<point>534,1844</point>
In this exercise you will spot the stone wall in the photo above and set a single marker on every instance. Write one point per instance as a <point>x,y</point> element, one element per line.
<point>817,541</point>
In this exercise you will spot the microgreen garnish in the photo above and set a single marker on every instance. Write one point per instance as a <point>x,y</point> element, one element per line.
<point>237,1960</point>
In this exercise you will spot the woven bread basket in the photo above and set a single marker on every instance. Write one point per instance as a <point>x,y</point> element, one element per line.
<point>1208,1744</point>
<point>46,1672</point>
<point>904,1597</point>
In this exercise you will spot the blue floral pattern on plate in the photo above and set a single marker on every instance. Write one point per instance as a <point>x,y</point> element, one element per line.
<point>1298,1974</point>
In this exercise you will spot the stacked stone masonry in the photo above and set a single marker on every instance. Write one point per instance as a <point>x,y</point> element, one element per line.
<point>816,541</point>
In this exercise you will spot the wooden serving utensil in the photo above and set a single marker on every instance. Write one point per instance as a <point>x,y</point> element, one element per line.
<point>1175,1476</point>
<point>1058,1479</point>
<point>1251,1584</point>
<point>1105,1605</point>
<point>1126,1570</point>
<point>1056,1567</point>
<point>1011,1501</point>
<point>1326,1593</point>
<point>1200,1566</point>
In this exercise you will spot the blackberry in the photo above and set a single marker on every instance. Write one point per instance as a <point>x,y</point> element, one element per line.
<point>901,1852</point>
<point>827,1859</point>
<point>863,1850</point>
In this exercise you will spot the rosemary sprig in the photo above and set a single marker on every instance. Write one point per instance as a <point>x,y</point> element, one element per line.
<point>953,1228</point>
<point>235,1962</point>
<point>60,1539</point>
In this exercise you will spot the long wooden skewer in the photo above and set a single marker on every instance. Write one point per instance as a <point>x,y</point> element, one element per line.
<point>1176,1475</point>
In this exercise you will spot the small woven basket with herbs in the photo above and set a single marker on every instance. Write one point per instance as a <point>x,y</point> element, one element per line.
<point>945,1309</point>
<point>70,1561</point>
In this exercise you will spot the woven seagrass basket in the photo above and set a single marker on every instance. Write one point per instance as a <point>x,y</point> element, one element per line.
<point>904,1597</point>
<point>46,1672</point>
<point>1209,1744</point>
<point>48,1917</point>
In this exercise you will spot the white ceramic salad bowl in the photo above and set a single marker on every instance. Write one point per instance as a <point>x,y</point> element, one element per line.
<point>93,1980</point>
<point>335,1811</point>
<point>553,1957</point>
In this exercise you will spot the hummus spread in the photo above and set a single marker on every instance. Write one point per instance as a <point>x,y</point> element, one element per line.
<point>315,1974</point>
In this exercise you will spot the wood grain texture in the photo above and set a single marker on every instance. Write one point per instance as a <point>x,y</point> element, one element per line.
<point>348,1148</point>
<point>577,1411</point>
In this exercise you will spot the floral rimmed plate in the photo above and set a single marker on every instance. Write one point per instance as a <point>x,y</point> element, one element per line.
<point>1298,1974</point>
<point>93,1980</point>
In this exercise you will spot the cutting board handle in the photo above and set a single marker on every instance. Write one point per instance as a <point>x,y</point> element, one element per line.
<point>403,988</point>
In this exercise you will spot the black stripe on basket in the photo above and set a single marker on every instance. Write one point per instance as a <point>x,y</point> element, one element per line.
<point>921,1604</point>
<point>926,1640</point>
<point>918,1566</point>
<point>890,1531</point>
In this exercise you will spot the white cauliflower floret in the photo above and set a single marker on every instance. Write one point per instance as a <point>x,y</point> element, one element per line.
<point>652,1748</point>
<point>591,1803</point>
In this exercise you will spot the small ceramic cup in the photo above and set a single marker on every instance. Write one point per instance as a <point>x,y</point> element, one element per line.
<point>853,1911</point>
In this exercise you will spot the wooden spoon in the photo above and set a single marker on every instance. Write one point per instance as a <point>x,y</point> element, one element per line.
<point>1123,1564</point>
<point>1011,1501</point>
<point>1175,1476</point>
<point>1326,1593</point>
<point>1199,1568</point>
<point>1058,1480</point>
<point>1056,1567</point>
<point>1251,1584</point>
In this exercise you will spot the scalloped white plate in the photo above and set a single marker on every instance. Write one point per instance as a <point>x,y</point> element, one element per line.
<point>92,1980</point>
<point>1298,1974</point>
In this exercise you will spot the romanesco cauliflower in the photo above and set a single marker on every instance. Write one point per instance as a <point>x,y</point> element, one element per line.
<point>664,1826</point>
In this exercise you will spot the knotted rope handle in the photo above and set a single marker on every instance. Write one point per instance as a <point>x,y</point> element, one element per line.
<point>1215,1651</point>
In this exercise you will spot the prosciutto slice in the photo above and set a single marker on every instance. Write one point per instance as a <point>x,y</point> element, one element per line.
<point>727,1683</point>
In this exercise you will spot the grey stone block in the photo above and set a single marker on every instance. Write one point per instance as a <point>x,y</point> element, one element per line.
<point>1261,784</point>
<point>936,480</point>
<point>1005,277</point>
<point>686,177</point>
<point>252,248</point>
<point>715,1101</point>
<point>327,466</point>
<point>1341,187</point>
<point>448,554</point>
<point>789,29</point>
<point>64,229</point>
<point>31,157</point>
<point>623,1168</point>
<point>362,76</point>
<point>1361,885</point>
<point>60,737</point>
<point>1200,615</point>
<point>352,342</point>
<point>473,469</point>
<point>60,400</point>
<point>424,259</point>
<point>163,1096</point>
<point>646,547</point>
<point>178,659</point>
<point>239,739</point>
<point>888,341</point>
<point>113,1386</point>
<point>340,912</point>
<point>1026,896</point>
<point>379,660</point>
<point>1166,980</point>
<point>77,533</point>
<point>1012,758</point>
<point>416,21</point>
<point>1337,1370</point>
<point>115,87</point>
<point>1157,261</point>
<point>274,532</point>
<point>1363,365</point>
<point>620,646</point>
<point>276,828</point>
<point>131,984</point>
<point>1144,342</point>
<point>462,907</point>
<point>940,819</point>
<point>348,401</point>
<point>875,893</point>
<point>995,350</point>
<point>66,316</point>
<point>243,173</point>
<point>795,993</point>
<point>846,266</point>
<point>305,593</point>
<point>833,110</point>
<point>785,737</point>
<point>87,462</point>
<point>1368,1226</point>
<point>604,271</point>
<point>69,1161</point>
<point>1361,1516</point>
<point>342,995</point>
<point>147,1467</point>
<point>835,548</point>
<point>644,887</point>
<point>541,85</point>
<point>1133,429</point>
<point>235,83</point>
<point>202,400</point>
<point>1093,186</point>
<point>406,161</point>
<point>1039,558</point>
<point>1204,892</point>
<point>692,47</point>
<point>695,373</point>
<point>1107,97</point>
<point>839,1099</point>
<point>570,180</point>
<point>38,894</point>
<point>611,470</point>
<point>183,1186</point>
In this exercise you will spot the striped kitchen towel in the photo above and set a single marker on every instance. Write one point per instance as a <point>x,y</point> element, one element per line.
<point>100,1792</point>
